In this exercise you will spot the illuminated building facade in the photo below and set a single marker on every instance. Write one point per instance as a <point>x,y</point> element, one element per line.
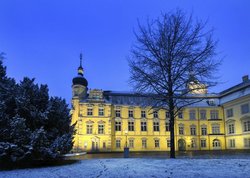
<point>108,121</point>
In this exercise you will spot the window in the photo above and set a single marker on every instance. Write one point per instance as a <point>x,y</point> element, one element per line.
<point>192,115</point>
<point>203,114</point>
<point>246,125</point>
<point>144,143</point>
<point>214,114</point>
<point>204,130</point>
<point>230,112</point>
<point>211,102</point>
<point>203,143</point>
<point>216,143</point>
<point>131,126</point>
<point>167,114</point>
<point>193,143</point>
<point>192,130</point>
<point>101,111</point>
<point>118,126</point>
<point>232,143</point>
<point>157,143</point>
<point>247,142</point>
<point>156,126</point>
<point>168,143</point>
<point>216,129</point>
<point>118,143</point>
<point>100,129</point>
<point>167,126</point>
<point>143,114</point>
<point>155,114</point>
<point>90,111</point>
<point>117,113</point>
<point>131,143</point>
<point>231,128</point>
<point>143,126</point>
<point>180,115</point>
<point>89,128</point>
<point>181,130</point>
<point>244,108</point>
<point>130,113</point>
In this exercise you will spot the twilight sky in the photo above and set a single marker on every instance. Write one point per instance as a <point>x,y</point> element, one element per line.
<point>43,38</point>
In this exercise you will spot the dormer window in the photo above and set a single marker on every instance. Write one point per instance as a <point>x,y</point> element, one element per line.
<point>211,102</point>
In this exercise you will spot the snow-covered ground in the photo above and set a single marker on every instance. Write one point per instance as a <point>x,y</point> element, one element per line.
<point>140,167</point>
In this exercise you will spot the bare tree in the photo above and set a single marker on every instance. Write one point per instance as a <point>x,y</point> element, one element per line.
<point>173,57</point>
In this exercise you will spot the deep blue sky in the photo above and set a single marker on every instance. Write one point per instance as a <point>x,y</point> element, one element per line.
<point>43,38</point>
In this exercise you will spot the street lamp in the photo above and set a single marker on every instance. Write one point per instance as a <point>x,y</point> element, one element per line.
<point>126,148</point>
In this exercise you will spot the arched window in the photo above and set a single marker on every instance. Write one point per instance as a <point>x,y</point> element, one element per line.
<point>216,143</point>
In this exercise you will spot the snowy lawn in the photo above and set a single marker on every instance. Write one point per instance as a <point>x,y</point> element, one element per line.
<point>140,167</point>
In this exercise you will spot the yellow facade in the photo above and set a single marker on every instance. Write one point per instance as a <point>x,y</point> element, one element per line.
<point>109,121</point>
<point>107,141</point>
<point>239,138</point>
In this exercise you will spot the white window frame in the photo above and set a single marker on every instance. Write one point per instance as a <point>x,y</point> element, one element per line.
<point>192,130</point>
<point>143,126</point>
<point>131,126</point>
<point>144,143</point>
<point>143,114</point>
<point>101,128</point>
<point>214,114</point>
<point>203,143</point>
<point>101,111</point>
<point>118,126</point>
<point>156,126</point>
<point>89,128</point>
<point>118,143</point>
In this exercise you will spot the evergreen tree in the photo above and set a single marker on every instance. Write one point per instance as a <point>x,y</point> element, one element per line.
<point>32,125</point>
<point>59,125</point>
<point>14,135</point>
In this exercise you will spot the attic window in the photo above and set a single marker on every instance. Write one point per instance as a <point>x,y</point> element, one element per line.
<point>211,102</point>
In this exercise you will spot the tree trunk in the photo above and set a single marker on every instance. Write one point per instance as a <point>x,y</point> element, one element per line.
<point>172,136</point>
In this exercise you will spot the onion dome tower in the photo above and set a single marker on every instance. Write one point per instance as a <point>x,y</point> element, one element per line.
<point>80,84</point>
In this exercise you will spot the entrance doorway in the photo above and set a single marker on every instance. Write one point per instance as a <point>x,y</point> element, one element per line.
<point>95,144</point>
<point>182,145</point>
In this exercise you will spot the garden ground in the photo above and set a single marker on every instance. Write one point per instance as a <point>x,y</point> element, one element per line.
<point>96,165</point>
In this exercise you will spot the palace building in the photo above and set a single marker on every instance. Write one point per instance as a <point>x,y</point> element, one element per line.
<point>107,121</point>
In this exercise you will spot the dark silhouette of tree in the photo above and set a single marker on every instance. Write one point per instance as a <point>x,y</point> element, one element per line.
<point>173,58</point>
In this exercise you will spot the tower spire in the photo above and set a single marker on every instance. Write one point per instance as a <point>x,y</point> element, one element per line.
<point>80,68</point>
<point>80,59</point>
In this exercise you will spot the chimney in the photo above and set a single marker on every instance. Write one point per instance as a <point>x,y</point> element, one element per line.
<point>245,78</point>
